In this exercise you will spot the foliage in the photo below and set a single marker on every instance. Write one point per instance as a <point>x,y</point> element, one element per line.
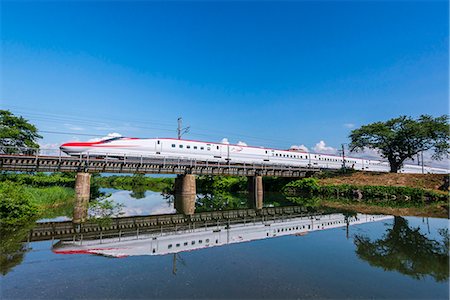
<point>275,184</point>
<point>102,210</point>
<point>407,251</point>
<point>401,138</point>
<point>19,203</point>
<point>12,246</point>
<point>16,132</point>
<point>305,186</point>
<point>220,184</point>
<point>15,204</point>
<point>137,183</point>
<point>220,201</point>
<point>40,179</point>
<point>391,195</point>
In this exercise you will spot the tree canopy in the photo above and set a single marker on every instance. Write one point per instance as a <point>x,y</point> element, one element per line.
<point>16,132</point>
<point>402,138</point>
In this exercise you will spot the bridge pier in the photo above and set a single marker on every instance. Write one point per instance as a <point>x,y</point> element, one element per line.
<point>256,191</point>
<point>185,194</point>
<point>82,191</point>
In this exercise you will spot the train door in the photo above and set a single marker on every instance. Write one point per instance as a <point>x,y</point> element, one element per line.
<point>158,147</point>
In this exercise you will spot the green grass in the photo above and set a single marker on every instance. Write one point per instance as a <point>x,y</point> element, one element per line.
<point>394,196</point>
<point>20,203</point>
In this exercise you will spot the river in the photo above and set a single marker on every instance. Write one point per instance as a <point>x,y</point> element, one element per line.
<point>386,257</point>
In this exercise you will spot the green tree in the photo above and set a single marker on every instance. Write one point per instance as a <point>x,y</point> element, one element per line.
<point>16,132</point>
<point>401,138</point>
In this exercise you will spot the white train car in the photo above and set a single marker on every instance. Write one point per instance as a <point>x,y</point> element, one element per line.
<point>170,148</point>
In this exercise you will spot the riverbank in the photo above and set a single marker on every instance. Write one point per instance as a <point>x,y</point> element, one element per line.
<point>19,202</point>
<point>433,210</point>
<point>435,182</point>
<point>394,199</point>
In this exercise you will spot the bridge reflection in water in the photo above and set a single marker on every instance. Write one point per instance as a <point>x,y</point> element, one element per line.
<point>156,240</point>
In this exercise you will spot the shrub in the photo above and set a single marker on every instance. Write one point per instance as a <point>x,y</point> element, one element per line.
<point>15,204</point>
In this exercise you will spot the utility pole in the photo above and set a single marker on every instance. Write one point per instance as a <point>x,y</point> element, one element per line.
<point>180,128</point>
<point>421,155</point>
<point>343,157</point>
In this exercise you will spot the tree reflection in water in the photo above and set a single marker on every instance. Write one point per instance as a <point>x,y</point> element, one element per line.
<point>220,201</point>
<point>407,251</point>
<point>12,247</point>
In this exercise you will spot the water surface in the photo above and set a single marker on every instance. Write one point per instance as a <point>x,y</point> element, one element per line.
<point>393,258</point>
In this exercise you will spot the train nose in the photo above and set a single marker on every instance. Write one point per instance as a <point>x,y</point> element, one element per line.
<point>72,148</point>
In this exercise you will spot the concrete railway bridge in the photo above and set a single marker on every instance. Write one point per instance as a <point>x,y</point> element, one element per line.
<point>186,169</point>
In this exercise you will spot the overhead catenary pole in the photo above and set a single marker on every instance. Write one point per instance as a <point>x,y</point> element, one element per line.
<point>421,156</point>
<point>343,157</point>
<point>180,129</point>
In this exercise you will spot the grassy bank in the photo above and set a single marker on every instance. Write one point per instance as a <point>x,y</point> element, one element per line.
<point>19,203</point>
<point>433,182</point>
<point>398,200</point>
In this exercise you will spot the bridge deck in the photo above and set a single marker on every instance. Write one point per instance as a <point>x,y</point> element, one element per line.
<point>26,163</point>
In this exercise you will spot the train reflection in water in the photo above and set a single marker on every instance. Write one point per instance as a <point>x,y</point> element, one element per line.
<point>199,238</point>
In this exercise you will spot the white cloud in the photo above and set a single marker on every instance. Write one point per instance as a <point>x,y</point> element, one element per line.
<point>349,125</point>
<point>224,141</point>
<point>240,143</point>
<point>299,148</point>
<point>108,136</point>
<point>321,147</point>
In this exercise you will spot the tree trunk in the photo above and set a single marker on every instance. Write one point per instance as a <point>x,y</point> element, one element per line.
<point>394,168</point>
<point>394,164</point>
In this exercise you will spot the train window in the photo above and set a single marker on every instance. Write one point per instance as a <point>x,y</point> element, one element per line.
<point>159,142</point>
<point>193,243</point>
<point>195,147</point>
<point>200,241</point>
<point>170,246</point>
<point>178,245</point>
<point>185,243</point>
<point>208,148</point>
<point>202,148</point>
<point>217,241</point>
<point>173,145</point>
<point>207,240</point>
<point>266,151</point>
<point>217,147</point>
<point>189,147</point>
<point>181,146</point>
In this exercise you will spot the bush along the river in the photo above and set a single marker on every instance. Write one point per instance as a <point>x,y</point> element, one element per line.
<point>15,204</point>
<point>392,195</point>
<point>19,203</point>
<point>40,179</point>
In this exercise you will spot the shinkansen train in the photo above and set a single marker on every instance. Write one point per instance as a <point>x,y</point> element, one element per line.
<point>120,147</point>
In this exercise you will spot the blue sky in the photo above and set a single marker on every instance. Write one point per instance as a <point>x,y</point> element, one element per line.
<point>267,73</point>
